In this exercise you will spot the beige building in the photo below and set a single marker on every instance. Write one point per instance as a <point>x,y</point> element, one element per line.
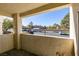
<point>41,45</point>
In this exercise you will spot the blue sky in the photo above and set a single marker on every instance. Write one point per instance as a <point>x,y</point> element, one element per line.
<point>46,19</point>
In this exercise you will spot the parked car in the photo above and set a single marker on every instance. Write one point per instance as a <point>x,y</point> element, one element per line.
<point>36,30</point>
<point>25,30</point>
<point>63,33</point>
<point>31,31</point>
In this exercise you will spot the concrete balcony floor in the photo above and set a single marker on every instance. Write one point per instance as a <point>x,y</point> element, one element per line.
<point>15,52</point>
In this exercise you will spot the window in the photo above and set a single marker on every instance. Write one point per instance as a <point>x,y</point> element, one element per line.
<point>52,23</point>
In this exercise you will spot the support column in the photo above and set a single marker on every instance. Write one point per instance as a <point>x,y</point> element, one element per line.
<point>17,30</point>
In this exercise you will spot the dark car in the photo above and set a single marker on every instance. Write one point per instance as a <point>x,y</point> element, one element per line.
<point>63,33</point>
<point>30,31</point>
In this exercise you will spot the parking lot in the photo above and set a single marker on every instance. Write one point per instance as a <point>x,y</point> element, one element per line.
<point>49,33</point>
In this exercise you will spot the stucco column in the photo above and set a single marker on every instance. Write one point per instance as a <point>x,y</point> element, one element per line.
<point>1,22</point>
<point>74,26</point>
<point>17,30</point>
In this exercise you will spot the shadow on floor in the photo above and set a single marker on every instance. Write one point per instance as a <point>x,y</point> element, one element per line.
<point>15,52</point>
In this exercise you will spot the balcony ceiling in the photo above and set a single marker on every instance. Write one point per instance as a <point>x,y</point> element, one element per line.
<point>11,8</point>
<point>25,8</point>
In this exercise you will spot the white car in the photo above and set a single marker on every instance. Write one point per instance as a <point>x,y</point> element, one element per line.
<point>36,30</point>
<point>61,33</point>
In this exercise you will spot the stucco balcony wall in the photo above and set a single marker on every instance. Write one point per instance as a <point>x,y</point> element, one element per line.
<point>45,45</point>
<point>6,42</point>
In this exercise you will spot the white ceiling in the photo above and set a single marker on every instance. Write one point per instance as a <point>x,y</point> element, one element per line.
<point>11,8</point>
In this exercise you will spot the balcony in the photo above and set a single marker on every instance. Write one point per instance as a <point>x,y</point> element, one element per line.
<point>21,44</point>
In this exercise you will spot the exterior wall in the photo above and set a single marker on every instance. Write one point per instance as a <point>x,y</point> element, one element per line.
<point>0,28</point>
<point>74,25</point>
<point>43,45</point>
<point>1,21</point>
<point>6,42</point>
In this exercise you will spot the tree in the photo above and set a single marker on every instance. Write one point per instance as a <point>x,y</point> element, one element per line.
<point>65,22</point>
<point>7,24</point>
<point>49,28</point>
<point>30,25</point>
<point>56,26</point>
